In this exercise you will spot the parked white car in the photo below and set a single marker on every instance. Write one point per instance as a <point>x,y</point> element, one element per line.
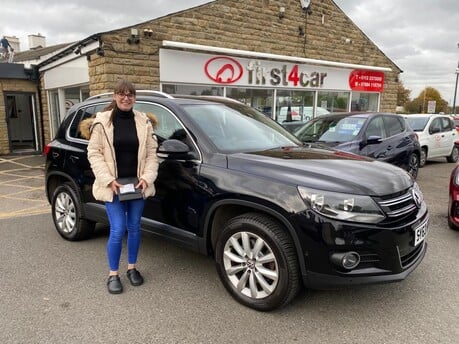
<point>437,135</point>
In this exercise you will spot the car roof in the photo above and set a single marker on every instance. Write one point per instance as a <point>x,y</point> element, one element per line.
<point>427,115</point>
<point>353,114</point>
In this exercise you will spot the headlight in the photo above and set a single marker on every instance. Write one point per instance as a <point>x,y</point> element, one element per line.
<point>341,206</point>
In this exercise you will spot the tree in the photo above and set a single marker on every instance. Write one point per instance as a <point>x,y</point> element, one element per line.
<point>403,94</point>
<point>419,104</point>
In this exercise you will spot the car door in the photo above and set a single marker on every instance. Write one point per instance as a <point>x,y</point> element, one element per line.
<point>385,139</point>
<point>398,143</point>
<point>435,138</point>
<point>174,207</point>
<point>77,163</point>
<point>448,135</point>
<point>373,142</point>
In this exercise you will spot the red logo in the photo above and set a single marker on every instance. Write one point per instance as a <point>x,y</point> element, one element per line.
<point>223,69</point>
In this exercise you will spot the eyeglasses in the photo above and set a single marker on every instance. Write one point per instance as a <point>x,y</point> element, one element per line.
<point>127,95</point>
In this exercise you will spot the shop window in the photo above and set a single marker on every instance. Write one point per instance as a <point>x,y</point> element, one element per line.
<point>260,99</point>
<point>192,90</point>
<point>364,101</point>
<point>333,101</point>
<point>294,106</point>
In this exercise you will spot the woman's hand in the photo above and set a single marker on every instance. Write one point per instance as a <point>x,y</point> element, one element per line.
<point>142,184</point>
<point>114,185</point>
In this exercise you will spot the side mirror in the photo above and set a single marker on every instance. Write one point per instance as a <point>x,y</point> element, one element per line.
<point>371,140</point>
<point>434,130</point>
<point>175,149</point>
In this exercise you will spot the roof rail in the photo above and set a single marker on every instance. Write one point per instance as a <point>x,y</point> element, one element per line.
<point>154,93</point>
<point>138,92</point>
<point>102,95</point>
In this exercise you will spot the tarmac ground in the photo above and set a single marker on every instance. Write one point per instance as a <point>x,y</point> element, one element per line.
<point>22,186</point>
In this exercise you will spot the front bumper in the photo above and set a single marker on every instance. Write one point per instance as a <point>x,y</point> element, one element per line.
<point>388,252</point>
<point>314,280</point>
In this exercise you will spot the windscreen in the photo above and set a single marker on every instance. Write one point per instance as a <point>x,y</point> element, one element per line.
<point>417,123</point>
<point>232,130</point>
<point>331,129</point>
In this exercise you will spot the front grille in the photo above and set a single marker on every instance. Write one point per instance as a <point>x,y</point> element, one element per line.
<point>407,259</point>
<point>398,206</point>
<point>368,260</point>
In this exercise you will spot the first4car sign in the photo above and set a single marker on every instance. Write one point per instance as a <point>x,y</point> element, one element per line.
<point>198,68</point>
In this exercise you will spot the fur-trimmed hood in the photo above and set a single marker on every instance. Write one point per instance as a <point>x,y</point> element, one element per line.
<point>86,124</point>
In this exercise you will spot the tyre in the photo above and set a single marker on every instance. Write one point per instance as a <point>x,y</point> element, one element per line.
<point>413,165</point>
<point>257,262</point>
<point>423,157</point>
<point>67,215</point>
<point>452,225</point>
<point>453,157</point>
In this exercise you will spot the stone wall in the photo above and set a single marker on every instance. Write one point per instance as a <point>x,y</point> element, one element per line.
<point>252,25</point>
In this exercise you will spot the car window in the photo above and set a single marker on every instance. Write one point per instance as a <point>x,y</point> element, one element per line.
<point>168,124</point>
<point>234,131</point>
<point>331,129</point>
<point>82,114</point>
<point>394,125</point>
<point>435,126</point>
<point>375,128</point>
<point>417,123</point>
<point>447,124</point>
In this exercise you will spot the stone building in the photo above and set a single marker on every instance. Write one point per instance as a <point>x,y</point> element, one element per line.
<point>274,55</point>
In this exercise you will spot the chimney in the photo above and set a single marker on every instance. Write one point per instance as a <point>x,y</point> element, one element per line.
<point>14,41</point>
<point>37,41</point>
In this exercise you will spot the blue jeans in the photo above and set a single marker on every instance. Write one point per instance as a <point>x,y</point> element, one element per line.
<point>123,215</point>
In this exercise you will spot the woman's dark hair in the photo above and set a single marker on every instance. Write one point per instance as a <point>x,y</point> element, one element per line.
<point>123,86</point>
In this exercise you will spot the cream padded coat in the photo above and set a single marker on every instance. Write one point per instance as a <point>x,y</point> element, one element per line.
<point>101,155</point>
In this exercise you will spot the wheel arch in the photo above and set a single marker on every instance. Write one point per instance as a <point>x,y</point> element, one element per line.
<point>223,210</point>
<point>57,178</point>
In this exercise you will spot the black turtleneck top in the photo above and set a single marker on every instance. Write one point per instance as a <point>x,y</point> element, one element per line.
<point>126,143</point>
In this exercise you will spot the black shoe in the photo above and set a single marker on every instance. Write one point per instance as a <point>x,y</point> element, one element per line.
<point>134,277</point>
<point>114,285</point>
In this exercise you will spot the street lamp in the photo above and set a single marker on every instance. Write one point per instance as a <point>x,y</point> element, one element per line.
<point>455,89</point>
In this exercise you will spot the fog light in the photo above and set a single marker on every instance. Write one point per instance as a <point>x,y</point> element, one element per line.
<point>347,260</point>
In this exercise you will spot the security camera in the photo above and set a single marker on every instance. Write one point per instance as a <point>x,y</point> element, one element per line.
<point>305,4</point>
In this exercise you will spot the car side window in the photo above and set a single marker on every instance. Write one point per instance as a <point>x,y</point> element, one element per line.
<point>394,125</point>
<point>82,114</point>
<point>168,124</point>
<point>375,128</point>
<point>447,124</point>
<point>435,127</point>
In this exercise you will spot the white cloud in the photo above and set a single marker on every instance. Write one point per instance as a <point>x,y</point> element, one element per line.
<point>421,37</point>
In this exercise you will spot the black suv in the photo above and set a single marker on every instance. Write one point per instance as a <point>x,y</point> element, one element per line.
<point>275,214</point>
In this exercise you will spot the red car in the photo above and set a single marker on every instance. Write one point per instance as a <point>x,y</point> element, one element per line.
<point>453,206</point>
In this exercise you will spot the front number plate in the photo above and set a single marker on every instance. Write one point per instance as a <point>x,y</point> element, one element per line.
<point>420,233</point>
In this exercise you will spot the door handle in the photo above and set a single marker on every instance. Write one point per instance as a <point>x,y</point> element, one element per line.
<point>74,158</point>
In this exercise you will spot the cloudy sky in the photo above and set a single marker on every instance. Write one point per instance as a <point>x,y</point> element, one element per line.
<point>420,36</point>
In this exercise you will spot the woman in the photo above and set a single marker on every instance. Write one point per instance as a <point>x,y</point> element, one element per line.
<point>122,145</point>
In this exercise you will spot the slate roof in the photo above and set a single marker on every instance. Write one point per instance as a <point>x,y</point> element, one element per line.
<point>37,53</point>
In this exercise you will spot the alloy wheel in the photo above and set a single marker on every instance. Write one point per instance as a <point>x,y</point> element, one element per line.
<point>65,213</point>
<point>250,265</point>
